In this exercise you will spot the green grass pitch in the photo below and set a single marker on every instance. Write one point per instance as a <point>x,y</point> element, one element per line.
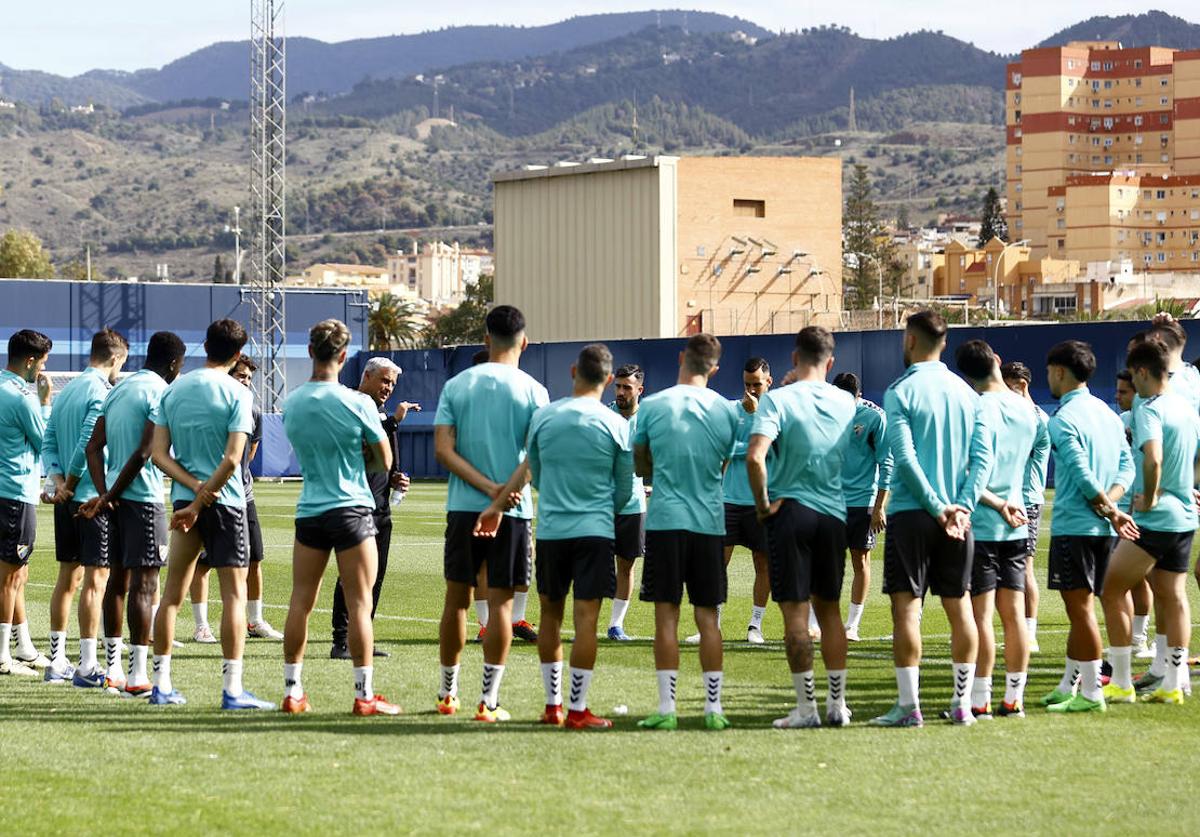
<point>72,759</point>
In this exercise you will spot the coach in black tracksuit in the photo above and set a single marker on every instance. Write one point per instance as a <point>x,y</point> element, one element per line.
<point>378,381</point>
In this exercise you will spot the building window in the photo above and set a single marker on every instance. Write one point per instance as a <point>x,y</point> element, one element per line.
<point>1162,257</point>
<point>1137,63</point>
<point>1166,158</point>
<point>746,208</point>
<point>1164,100</point>
<point>1108,141</point>
<point>1095,84</point>
<point>1163,82</point>
<point>1160,194</point>
<point>1061,224</point>
<point>1108,65</point>
<point>1107,85</point>
<point>1095,66</point>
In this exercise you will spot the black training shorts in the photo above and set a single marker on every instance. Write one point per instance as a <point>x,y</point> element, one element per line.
<point>141,534</point>
<point>585,563</point>
<point>1171,551</point>
<point>1078,562</point>
<point>254,533</point>
<point>507,555</point>
<point>630,542</point>
<point>919,556</point>
<point>222,532</point>
<point>78,540</point>
<point>18,531</point>
<point>743,529</point>
<point>998,564</point>
<point>859,536</point>
<point>336,529</point>
<point>677,558</point>
<point>807,553</point>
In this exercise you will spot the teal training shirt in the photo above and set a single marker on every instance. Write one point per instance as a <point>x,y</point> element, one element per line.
<point>689,432</point>
<point>328,425</point>
<point>128,407</point>
<point>581,462</point>
<point>201,409</point>
<point>490,407</point>
<point>1011,429</point>
<point>810,424</point>
<point>1170,420</point>
<point>930,426</point>
<point>1039,461</point>
<point>1090,456</point>
<point>736,488</point>
<point>76,411</point>
<point>637,493</point>
<point>1185,382</point>
<point>867,460</point>
<point>22,428</point>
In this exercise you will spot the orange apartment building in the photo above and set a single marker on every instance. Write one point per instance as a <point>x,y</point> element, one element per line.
<point>1103,154</point>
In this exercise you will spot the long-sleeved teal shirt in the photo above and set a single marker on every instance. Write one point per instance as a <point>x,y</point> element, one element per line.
<point>1009,428</point>
<point>76,410</point>
<point>867,460</point>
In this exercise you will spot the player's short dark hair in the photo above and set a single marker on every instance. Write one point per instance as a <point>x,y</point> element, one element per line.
<point>630,370</point>
<point>1075,356</point>
<point>505,323</point>
<point>814,344</point>
<point>246,361</point>
<point>164,348</point>
<point>754,364</point>
<point>849,382</point>
<point>327,339</point>
<point>107,344</point>
<point>479,357</point>
<point>929,324</point>
<point>1126,376</point>
<point>1170,333</point>
<point>224,340</point>
<point>28,343</point>
<point>1151,355</point>
<point>594,364</point>
<point>975,359</point>
<point>1014,370</point>
<point>702,354</point>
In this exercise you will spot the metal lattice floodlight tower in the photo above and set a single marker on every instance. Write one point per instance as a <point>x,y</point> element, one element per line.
<point>268,184</point>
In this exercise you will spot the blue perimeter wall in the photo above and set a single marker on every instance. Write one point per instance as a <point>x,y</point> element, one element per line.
<point>875,356</point>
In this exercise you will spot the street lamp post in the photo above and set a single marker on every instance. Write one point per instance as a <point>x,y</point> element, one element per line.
<point>996,276</point>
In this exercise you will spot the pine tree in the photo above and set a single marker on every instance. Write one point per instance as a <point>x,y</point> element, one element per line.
<point>992,223</point>
<point>218,270</point>
<point>861,232</point>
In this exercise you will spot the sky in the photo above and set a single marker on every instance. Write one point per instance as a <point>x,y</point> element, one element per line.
<point>133,34</point>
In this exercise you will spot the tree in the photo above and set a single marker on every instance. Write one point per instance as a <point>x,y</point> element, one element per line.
<point>992,223</point>
<point>902,219</point>
<point>74,270</point>
<point>23,257</point>
<point>392,324</point>
<point>218,270</point>
<point>861,234</point>
<point>465,324</point>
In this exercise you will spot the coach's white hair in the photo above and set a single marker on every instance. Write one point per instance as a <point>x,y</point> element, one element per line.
<point>377,364</point>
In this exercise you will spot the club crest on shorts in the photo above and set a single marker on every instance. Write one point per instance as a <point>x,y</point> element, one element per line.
<point>24,550</point>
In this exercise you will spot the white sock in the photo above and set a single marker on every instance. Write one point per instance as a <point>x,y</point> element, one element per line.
<point>667,679</point>
<point>291,681</point>
<point>520,600</point>
<point>712,691</point>
<point>113,666</point>
<point>855,616</point>
<point>908,681</point>
<point>1031,627</point>
<point>137,665</point>
<point>756,616</point>
<point>481,612</point>
<point>58,647</point>
<point>581,679</point>
<point>231,675</point>
<point>552,681</point>
<point>254,611</point>
<point>1122,666</point>
<point>1014,688</point>
<point>1159,667</point>
<point>489,696</point>
<point>200,614</point>
<point>1089,679</point>
<point>1070,678</point>
<point>24,641</point>
<point>806,692</point>
<point>1140,625</point>
<point>364,686</point>
<point>619,608</point>
<point>720,610</point>
<point>162,673</point>
<point>5,637</point>
<point>981,692</point>
<point>1176,660</point>
<point>964,673</point>
<point>449,681</point>
<point>87,655</point>
<point>836,699</point>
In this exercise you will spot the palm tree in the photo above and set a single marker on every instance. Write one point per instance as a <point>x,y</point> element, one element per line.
<point>393,324</point>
